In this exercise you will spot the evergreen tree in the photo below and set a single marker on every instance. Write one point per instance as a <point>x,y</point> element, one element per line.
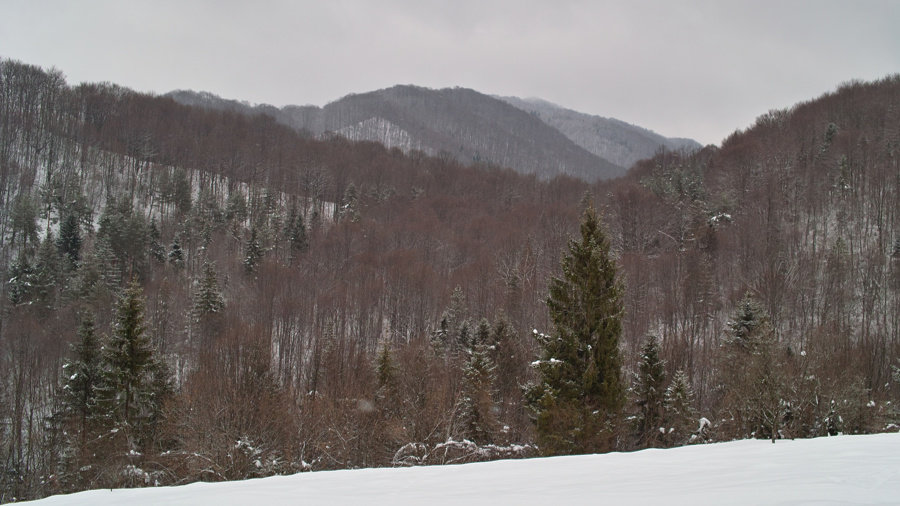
<point>463,338</point>
<point>69,240</point>
<point>108,264</point>
<point>579,398</point>
<point>126,232</point>
<point>76,422</point>
<point>157,250</point>
<point>208,304</point>
<point>46,273</point>
<point>180,191</point>
<point>482,335</point>
<point>129,361</point>
<point>297,235</point>
<point>440,338</point>
<point>21,275</point>
<point>680,416</point>
<point>176,254</point>
<point>350,204</point>
<point>83,376</point>
<point>753,380</point>
<point>236,207</point>
<point>208,298</point>
<point>23,220</point>
<point>386,375</point>
<point>253,251</point>
<point>650,393</point>
<point>508,353</point>
<point>477,409</point>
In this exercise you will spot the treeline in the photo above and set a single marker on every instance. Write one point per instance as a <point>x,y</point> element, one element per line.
<point>306,304</point>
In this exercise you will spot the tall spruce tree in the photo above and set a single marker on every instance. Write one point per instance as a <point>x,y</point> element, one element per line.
<point>21,274</point>
<point>680,415</point>
<point>580,395</point>
<point>130,361</point>
<point>69,240</point>
<point>46,273</point>
<point>650,393</point>
<point>477,409</point>
<point>752,372</point>
<point>253,251</point>
<point>206,313</point>
<point>75,425</point>
<point>157,250</point>
<point>83,376</point>
<point>208,298</point>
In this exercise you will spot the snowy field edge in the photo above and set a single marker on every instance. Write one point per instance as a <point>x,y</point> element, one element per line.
<point>861,469</point>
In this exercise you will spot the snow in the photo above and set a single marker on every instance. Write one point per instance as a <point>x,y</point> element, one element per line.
<point>836,470</point>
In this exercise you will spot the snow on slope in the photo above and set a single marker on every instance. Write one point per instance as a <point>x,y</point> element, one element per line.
<point>837,470</point>
<point>383,131</point>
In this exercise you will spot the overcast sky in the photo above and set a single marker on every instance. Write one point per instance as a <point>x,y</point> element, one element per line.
<point>697,69</point>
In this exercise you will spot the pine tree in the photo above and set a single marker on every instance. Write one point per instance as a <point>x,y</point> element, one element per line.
<point>89,284</point>
<point>129,360</point>
<point>482,335</point>
<point>385,370</point>
<point>753,379</point>
<point>208,298</point>
<point>350,204</point>
<point>180,191</point>
<point>208,304</point>
<point>46,273</point>
<point>83,376</point>
<point>749,325</point>
<point>680,417</point>
<point>440,338</point>
<point>69,240</point>
<point>477,409</point>
<point>157,250</point>
<point>176,254</point>
<point>298,236</point>
<point>108,264</point>
<point>253,251</point>
<point>23,220</point>
<point>386,375</point>
<point>21,275</point>
<point>580,396</point>
<point>463,338</point>
<point>650,393</point>
<point>75,424</point>
<point>236,208</point>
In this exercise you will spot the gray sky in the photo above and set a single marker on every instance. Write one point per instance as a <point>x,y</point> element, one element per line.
<point>696,69</point>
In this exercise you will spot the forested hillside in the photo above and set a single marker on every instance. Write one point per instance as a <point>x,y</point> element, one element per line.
<point>193,294</point>
<point>455,123</point>
<point>611,139</point>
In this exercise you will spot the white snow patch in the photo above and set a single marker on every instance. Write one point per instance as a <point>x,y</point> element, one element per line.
<point>835,470</point>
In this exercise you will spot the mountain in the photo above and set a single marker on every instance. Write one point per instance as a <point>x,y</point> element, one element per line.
<point>463,124</point>
<point>617,141</point>
<point>472,128</point>
<point>843,469</point>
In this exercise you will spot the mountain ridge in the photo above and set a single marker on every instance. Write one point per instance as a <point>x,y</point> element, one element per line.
<point>615,140</point>
<point>461,123</point>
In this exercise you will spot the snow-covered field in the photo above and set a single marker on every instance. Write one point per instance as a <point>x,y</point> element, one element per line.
<point>836,470</point>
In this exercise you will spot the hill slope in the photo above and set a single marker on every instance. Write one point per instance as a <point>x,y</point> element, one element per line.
<point>844,470</point>
<point>460,123</point>
<point>617,141</point>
